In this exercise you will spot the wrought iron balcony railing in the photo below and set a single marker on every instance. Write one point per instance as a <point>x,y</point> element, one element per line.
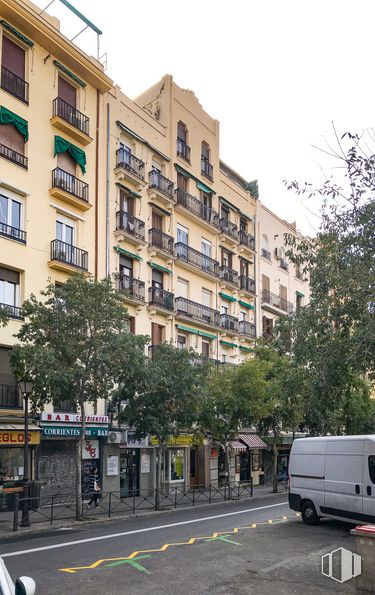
<point>161,298</point>
<point>183,150</point>
<point>70,114</point>
<point>15,85</point>
<point>69,254</point>
<point>197,311</point>
<point>206,168</point>
<point>247,240</point>
<point>10,397</point>
<point>12,311</point>
<point>61,179</point>
<point>130,224</point>
<point>266,254</point>
<point>13,233</point>
<point>194,205</point>
<point>161,240</point>
<point>229,323</point>
<point>132,288</point>
<point>247,329</point>
<point>197,259</point>
<point>126,160</point>
<point>247,284</point>
<point>229,275</point>
<point>161,183</point>
<point>13,156</point>
<point>276,301</point>
<point>283,264</point>
<point>229,228</point>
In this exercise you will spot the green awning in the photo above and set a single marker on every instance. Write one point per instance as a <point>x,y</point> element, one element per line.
<point>300,293</point>
<point>8,117</point>
<point>17,33</point>
<point>182,171</point>
<point>141,140</point>
<point>126,253</point>
<point>131,192</point>
<point>228,344</point>
<point>249,217</point>
<point>247,349</point>
<point>157,208</point>
<point>158,267</point>
<point>207,335</point>
<point>193,331</point>
<point>69,73</point>
<point>227,297</point>
<point>63,146</point>
<point>228,204</point>
<point>246,305</point>
<point>204,188</point>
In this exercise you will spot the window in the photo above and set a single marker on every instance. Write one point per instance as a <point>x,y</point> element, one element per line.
<point>267,327</point>
<point>10,216</point>
<point>226,258</point>
<point>298,301</point>
<point>127,203</point>
<point>182,288</point>
<point>243,224</point>
<point>157,166</point>
<point>224,309</point>
<point>182,132</point>
<point>265,247</point>
<point>206,248</point>
<point>9,287</point>
<point>157,221</point>
<point>205,349</point>
<point>207,297</point>
<point>371,468</point>
<point>182,182</point>
<point>66,162</point>
<point>126,266</point>
<point>183,150</point>
<point>182,234</point>
<point>181,341</point>
<point>283,296</point>
<point>65,230</point>
<point>157,333</point>
<point>126,150</point>
<point>132,325</point>
<point>224,212</point>
<point>12,139</point>
<point>242,316</point>
<point>265,283</point>
<point>157,279</point>
<point>67,92</point>
<point>65,406</point>
<point>176,464</point>
<point>13,69</point>
<point>244,267</point>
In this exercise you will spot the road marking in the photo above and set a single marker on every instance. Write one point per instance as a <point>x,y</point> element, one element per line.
<point>136,531</point>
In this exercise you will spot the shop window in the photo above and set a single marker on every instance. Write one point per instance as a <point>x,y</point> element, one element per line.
<point>176,465</point>
<point>11,464</point>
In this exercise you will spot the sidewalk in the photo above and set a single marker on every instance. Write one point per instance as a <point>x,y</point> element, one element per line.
<point>6,518</point>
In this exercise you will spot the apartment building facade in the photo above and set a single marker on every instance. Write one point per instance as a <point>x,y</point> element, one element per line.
<point>51,100</point>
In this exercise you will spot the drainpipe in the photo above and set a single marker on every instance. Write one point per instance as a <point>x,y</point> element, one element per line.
<point>97,182</point>
<point>107,272</point>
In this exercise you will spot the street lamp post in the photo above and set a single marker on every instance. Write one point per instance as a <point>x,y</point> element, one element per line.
<point>25,388</point>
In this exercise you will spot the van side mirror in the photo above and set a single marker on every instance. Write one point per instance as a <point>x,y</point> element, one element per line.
<point>25,586</point>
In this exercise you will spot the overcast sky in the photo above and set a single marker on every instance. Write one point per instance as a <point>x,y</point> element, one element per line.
<point>275,74</point>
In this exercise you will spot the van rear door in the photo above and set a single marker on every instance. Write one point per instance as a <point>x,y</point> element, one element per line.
<point>369,484</point>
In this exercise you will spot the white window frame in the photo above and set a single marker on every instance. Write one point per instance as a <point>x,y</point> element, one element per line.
<point>184,230</point>
<point>66,221</point>
<point>9,220</point>
<point>184,282</point>
<point>183,465</point>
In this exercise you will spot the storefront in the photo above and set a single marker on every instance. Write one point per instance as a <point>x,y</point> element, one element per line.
<point>246,460</point>
<point>176,465</point>
<point>253,461</point>
<point>12,440</point>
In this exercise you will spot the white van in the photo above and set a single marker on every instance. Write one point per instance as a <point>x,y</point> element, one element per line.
<point>333,476</point>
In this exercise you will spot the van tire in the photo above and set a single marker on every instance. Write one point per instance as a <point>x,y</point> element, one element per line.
<point>309,515</point>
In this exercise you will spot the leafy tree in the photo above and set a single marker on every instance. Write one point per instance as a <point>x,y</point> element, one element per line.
<point>3,317</point>
<point>167,399</point>
<point>73,345</point>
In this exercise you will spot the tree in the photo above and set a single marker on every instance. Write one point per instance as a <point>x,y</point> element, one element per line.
<point>166,401</point>
<point>3,316</point>
<point>234,398</point>
<point>73,345</point>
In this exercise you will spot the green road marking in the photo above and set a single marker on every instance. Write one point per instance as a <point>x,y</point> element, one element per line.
<point>132,563</point>
<point>224,538</point>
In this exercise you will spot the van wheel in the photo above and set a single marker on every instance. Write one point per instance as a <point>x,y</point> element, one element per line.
<point>308,512</point>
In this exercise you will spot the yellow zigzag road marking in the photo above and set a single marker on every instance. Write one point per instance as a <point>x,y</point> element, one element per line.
<point>190,541</point>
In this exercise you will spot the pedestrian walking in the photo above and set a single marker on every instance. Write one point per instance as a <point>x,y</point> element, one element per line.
<point>94,487</point>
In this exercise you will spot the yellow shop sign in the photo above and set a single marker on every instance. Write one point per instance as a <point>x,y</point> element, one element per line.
<point>182,440</point>
<point>17,437</point>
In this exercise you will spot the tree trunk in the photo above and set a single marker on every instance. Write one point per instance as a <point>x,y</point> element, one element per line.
<point>275,455</point>
<point>79,451</point>
<point>227,465</point>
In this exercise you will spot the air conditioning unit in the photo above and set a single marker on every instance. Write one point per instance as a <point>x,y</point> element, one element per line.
<point>114,437</point>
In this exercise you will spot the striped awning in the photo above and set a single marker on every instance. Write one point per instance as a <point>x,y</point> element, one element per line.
<point>238,446</point>
<point>252,441</point>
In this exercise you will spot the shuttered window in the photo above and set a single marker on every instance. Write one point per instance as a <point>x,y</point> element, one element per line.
<point>265,282</point>
<point>13,57</point>
<point>66,162</point>
<point>67,92</point>
<point>11,138</point>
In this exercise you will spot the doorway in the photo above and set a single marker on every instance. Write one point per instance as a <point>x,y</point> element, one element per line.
<point>129,473</point>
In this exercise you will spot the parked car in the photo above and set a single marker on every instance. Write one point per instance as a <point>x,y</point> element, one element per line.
<point>24,585</point>
<point>333,476</point>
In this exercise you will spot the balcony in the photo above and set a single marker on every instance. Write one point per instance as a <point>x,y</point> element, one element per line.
<point>14,85</point>
<point>12,311</point>
<point>198,211</point>
<point>68,119</point>
<point>247,241</point>
<point>160,243</point>
<point>275,303</point>
<point>183,150</point>
<point>13,156</point>
<point>9,397</point>
<point>129,228</point>
<point>283,264</point>
<point>207,169</point>
<point>194,311</point>
<point>160,300</point>
<point>191,258</point>
<point>266,254</point>
<point>247,329</point>
<point>129,168</point>
<point>228,276</point>
<point>230,324</point>
<point>13,233</point>
<point>229,232</point>
<point>70,189</point>
<point>67,258</point>
<point>132,290</point>
<point>247,284</point>
<point>160,188</point>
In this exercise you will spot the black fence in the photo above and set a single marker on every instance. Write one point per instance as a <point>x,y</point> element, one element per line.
<point>60,507</point>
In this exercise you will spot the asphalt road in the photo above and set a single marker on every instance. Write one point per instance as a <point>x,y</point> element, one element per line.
<point>244,547</point>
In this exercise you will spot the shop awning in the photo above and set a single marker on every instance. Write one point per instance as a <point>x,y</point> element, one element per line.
<point>252,441</point>
<point>126,253</point>
<point>227,297</point>
<point>246,305</point>
<point>69,73</point>
<point>158,267</point>
<point>8,117</point>
<point>64,146</point>
<point>17,33</point>
<point>237,446</point>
